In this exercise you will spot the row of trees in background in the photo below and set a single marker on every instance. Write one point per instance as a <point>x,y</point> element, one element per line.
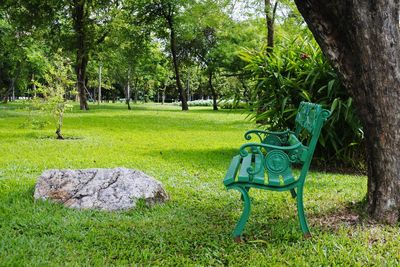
<point>178,50</point>
<point>146,50</point>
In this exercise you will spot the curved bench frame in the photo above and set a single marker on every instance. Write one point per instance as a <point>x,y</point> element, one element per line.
<point>310,118</point>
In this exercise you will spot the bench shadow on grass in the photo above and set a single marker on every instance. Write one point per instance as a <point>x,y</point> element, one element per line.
<point>205,158</point>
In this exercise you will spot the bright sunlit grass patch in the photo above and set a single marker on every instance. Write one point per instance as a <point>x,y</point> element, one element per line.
<point>189,153</point>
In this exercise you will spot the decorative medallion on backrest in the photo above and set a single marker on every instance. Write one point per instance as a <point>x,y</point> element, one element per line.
<point>278,168</point>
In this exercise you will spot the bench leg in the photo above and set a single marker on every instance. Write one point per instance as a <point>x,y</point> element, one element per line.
<point>245,215</point>
<point>300,212</point>
<point>293,192</point>
<point>247,189</point>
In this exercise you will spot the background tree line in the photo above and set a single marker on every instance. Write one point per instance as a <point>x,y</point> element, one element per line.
<point>257,54</point>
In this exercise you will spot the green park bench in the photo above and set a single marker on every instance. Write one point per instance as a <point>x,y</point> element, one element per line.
<point>268,164</point>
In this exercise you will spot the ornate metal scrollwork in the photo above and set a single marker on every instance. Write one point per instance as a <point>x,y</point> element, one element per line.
<point>272,140</point>
<point>259,134</point>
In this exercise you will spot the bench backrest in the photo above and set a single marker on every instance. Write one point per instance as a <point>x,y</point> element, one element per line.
<point>310,117</point>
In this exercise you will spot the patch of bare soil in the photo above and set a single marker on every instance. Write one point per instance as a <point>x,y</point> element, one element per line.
<point>333,221</point>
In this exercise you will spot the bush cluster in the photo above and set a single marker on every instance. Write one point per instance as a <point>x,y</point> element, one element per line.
<point>224,104</point>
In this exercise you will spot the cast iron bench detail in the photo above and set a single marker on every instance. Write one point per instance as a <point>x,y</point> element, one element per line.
<point>268,164</point>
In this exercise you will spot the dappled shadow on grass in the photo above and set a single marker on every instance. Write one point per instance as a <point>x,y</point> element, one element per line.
<point>12,105</point>
<point>156,107</point>
<point>206,157</point>
<point>66,138</point>
<point>151,124</point>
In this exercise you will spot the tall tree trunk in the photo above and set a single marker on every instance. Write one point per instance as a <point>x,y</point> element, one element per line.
<point>99,96</point>
<point>182,94</point>
<point>212,90</point>
<point>361,38</point>
<point>128,90</point>
<point>82,56</point>
<point>270,12</point>
<point>5,96</point>
<point>163,95</point>
<point>12,84</point>
<point>33,85</point>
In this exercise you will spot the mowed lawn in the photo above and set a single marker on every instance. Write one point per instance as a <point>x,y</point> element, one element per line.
<point>189,153</point>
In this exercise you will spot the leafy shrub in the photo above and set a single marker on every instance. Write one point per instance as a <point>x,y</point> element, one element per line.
<point>296,72</point>
<point>232,104</point>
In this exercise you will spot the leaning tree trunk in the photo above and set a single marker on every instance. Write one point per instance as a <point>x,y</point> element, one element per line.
<point>361,39</point>
<point>82,56</point>
<point>213,92</point>
<point>182,94</point>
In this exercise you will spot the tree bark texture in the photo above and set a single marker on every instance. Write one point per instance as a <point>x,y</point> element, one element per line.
<point>212,89</point>
<point>361,39</point>
<point>82,55</point>
<point>182,94</point>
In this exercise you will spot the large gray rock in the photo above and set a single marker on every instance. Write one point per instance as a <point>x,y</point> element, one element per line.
<point>104,189</point>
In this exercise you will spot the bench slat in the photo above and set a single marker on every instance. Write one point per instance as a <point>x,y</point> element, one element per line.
<point>243,174</point>
<point>259,177</point>
<point>232,170</point>
<point>274,179</point>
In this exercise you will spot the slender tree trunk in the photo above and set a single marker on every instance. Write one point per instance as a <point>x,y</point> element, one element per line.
<point>33,85</point>
<point>100,67</point>
<point>270,12</point>
<point>212,90</point>
<point>128,90</point>
<point>246,91</point>
<point>188,87</point>
<point>5,96</point>
<point>361,38</point>
<point>182,94</point>
<point>82,56</point>
<point>59,126</point>
<point>12,89</point>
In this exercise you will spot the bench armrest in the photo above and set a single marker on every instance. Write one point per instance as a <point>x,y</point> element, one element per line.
<point>262,135</point>
<point>243,152</point>
<point>288,154</point>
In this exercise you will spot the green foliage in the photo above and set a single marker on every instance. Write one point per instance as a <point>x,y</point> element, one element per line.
<point>297,71</point>
<point>50,96</point>
<point>189,153</point>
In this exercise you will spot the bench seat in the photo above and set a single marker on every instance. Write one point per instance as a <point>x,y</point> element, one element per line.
<point>238,172</point>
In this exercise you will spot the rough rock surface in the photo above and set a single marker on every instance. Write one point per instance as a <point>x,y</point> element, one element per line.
<point>104,189</point>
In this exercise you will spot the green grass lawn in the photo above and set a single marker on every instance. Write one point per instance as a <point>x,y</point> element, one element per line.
<point>189,153</point>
